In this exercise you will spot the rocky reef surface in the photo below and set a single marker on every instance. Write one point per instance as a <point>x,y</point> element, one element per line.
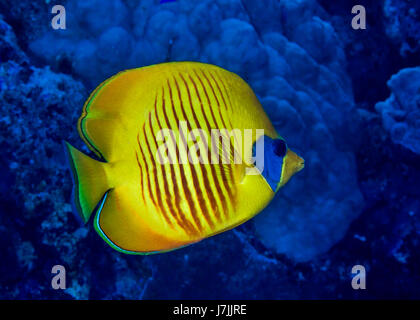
<point>401,111</point>
<point>356,202</point>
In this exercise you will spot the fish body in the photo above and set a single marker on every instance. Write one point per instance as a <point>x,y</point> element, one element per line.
<point>140,118</point>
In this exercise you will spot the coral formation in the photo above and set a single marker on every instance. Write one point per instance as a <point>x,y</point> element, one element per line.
<point>402,24</point>
<point>401,111</point>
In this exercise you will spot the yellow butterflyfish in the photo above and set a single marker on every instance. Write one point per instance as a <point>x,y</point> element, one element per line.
<point>172,168</point>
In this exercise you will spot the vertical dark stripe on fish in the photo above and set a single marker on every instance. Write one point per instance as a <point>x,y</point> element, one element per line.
<point>218,125</point>
<point>176,213</point>
<point>224,101</point>
<point>232,149</point>
<point>217,85</point>
<point>217,100</point>
<point>196,121</point>
<point>162,208</point>
<point>206,182</point>
<point>222,171</point>
<point>226,90</point>
<point>227,95</point>
<point>149,188</point>
<point>221,117</point>
<point>141,177</point>
<point>154,171</point>
<point>224,180</point>
<point>185,186</point>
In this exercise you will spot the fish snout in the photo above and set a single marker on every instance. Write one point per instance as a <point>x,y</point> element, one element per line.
<point>292,164</point>
<point>295,162</point>
<point>300,164</point>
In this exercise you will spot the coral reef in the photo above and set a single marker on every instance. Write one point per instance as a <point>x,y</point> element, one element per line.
<point>401,111</point>
<point>402,24</point>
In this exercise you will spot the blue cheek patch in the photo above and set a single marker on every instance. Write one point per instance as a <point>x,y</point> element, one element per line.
<point>273,164</point>
<point>272,170</point>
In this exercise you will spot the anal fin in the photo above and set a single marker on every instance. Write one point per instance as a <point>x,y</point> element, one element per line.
<point>123,224</point>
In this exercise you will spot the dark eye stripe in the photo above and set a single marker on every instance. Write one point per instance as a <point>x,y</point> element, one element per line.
<point>280,147</point>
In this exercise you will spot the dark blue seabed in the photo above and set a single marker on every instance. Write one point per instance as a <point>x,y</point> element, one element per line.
<point>346,100</point>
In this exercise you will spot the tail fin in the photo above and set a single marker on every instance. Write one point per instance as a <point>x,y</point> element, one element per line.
<point>90,181</point>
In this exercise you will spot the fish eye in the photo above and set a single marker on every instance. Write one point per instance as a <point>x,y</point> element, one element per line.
<point>280,147</point>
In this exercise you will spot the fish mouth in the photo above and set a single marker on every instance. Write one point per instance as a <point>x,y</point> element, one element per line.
<point>300,165</point>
